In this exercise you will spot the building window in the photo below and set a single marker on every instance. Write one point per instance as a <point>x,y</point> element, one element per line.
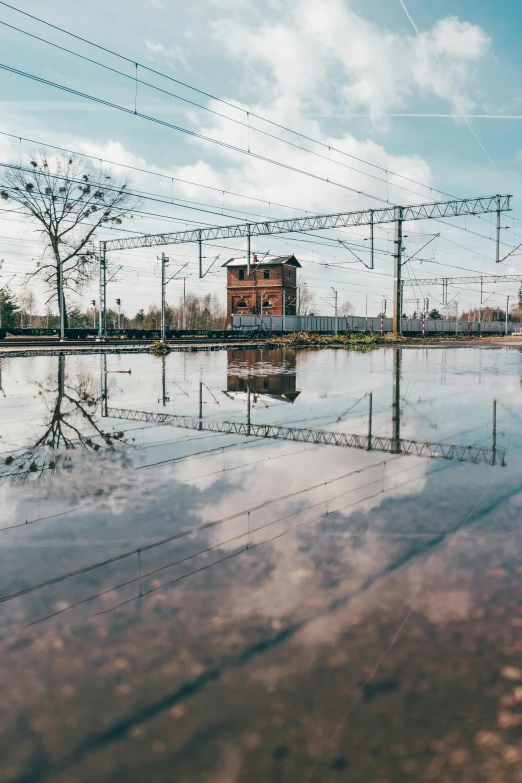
<point>267,303</point>
<point>241,305</point>
<point>266,274</point>
<point>241,274</point>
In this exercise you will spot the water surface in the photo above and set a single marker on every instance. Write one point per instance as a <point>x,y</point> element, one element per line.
<point>185,599</point>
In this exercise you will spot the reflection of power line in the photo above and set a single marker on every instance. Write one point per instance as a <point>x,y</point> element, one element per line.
<point>251,531</point>
<point>184,533</point>
<point>250,652</point>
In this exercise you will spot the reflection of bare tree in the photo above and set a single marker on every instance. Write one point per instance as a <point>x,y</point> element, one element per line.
<point>71,424</point>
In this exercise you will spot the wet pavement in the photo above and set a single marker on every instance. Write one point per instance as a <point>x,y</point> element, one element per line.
<point>194,587</point>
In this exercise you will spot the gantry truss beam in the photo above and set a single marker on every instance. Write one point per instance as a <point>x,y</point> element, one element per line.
<point>476,454</point>
<point>465,280</point>
<point>439,209</point>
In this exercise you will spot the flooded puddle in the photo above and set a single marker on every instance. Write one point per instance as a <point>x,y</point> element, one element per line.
<point>261,566</point>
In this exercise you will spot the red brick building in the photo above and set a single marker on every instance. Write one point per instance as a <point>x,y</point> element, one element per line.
<point>272,282</point>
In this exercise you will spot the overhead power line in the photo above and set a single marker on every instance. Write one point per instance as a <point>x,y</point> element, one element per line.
<point>193,134</point>
<point>168,177</point>
<point>135,64</point>
<point>248,113</point>
<point>135,81</point>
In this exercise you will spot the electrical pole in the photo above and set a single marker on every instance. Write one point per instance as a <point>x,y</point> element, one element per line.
<point>184,298</point>
<point>284,311</point>
<point>397,272</point>
<point>507,311</point>
<point>93,302</point>
<point>164,261</point>
<point>498,230</point>
<point>102,333</point>
<point>200,255</point>
<point>366,325</point>
<point>336,323</point>
<point>371,240</point>
<point>118,302</point>
<point>248,251</point>
<point>61,302</point>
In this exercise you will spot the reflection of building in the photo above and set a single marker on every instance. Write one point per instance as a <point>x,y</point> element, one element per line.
<point>270,289</point>
<point>249,371</point>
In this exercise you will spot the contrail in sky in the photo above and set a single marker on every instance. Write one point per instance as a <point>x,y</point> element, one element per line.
<point>464,118</point>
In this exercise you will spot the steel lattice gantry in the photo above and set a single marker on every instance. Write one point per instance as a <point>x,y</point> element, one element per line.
<point>464,280</point>
<point>438,209</point>
<point>434,450</point>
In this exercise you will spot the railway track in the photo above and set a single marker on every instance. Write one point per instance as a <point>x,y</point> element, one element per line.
<point>15,347</point>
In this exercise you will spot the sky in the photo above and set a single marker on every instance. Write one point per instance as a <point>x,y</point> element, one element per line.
<point>380,92</point>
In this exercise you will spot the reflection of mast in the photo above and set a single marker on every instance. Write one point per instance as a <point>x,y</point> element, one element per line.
<point>104,390</point>
<point>248,409</point>
<point>370,417</point>
<point>1,387</point>
<point>396,404</point>
<point>494,431</point>
<point>201,405</point>
<point>163,379</point>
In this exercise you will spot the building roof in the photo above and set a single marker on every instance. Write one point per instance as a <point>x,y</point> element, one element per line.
<point>287,396</point>
<point>276,261</point>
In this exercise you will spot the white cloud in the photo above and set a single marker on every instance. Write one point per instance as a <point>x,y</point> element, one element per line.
<point>327,53</point>
<point>173,53</point>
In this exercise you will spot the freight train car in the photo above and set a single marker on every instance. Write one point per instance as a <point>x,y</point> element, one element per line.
<point>330,325</point>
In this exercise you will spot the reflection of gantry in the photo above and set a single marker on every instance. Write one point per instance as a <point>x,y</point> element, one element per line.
<point>476,454</point>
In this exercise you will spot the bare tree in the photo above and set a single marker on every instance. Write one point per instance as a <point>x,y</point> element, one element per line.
<point>27,304</point>
<point>346,309</point>
<point>70,200</point>
<point>305,299</point>
<point>71,424</point>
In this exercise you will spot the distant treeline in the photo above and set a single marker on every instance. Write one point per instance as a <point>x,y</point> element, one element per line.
<point>197,312</point>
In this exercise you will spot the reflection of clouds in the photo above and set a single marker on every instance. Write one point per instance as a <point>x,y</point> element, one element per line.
<point>288,629</point>
<point>105,480</point>
<point>435,590</point>
<point>8,503</point>
<point>251,485</point>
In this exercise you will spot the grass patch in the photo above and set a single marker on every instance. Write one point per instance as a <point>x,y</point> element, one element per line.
<point>159,348</point>
<point>357,340</point>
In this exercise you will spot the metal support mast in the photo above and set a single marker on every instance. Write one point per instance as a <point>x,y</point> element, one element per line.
<point>397,273</point>
<point>164,262</point>
<point>498,229</point>
<point>248,250</point>
<point>102,331</point>
<point>371,240</point>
